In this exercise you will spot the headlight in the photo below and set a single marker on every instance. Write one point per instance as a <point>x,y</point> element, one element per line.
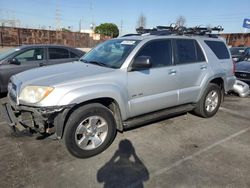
<point>34,94</point>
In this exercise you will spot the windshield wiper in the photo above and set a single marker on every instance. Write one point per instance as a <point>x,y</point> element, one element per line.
<point>83,60</point>
<point>97,63</point>
<point>94,62</point>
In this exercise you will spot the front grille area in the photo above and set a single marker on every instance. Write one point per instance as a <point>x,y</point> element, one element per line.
<point>242,75</point>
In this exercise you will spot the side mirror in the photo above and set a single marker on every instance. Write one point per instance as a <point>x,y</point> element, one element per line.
<point>14,61</point>
<point>141,63</point>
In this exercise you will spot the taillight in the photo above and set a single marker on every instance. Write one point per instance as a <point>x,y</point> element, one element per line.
<point>233,71</point>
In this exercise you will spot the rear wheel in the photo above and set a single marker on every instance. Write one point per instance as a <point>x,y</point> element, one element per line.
<point>89,130</point>
<point>209,102</point>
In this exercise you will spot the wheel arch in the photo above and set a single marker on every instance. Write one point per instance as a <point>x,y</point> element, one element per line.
<point>62,118</point>
<point>216,80</point>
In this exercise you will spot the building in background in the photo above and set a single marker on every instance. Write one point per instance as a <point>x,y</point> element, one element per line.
<point>91,33</point>
<point>237,39</point>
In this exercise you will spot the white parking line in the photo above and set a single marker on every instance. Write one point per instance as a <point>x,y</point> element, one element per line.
<point>230,111</point>
<point>177,163</point>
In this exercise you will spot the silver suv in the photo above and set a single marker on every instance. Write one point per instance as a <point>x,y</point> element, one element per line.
<point>121,83</point>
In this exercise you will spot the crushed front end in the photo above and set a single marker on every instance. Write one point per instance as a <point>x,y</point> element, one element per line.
<point>38,119</point>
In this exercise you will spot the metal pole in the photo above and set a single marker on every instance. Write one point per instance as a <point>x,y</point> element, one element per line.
<point>2,35</point>
<point>49,35</point>
<point>19,38</point>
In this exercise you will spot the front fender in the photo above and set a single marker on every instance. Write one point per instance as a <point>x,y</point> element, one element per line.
<point>88,93</point>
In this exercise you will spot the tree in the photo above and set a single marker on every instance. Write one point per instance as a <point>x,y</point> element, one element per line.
<point>108,29</point>
<point>142,21</point>
<point>180,21</point>
<point>66,30</point>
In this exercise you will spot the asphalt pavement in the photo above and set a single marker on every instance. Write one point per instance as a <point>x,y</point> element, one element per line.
<point>183,151</point>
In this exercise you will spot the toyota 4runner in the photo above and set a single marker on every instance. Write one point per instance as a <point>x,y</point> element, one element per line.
<point>122,83</point>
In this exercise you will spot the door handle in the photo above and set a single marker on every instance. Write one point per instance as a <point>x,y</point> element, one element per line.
<point>203,67</point>
<point>172,72</point>
<point>41,64</point>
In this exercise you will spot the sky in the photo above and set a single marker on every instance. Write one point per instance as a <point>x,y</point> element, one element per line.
<point>69,13</point>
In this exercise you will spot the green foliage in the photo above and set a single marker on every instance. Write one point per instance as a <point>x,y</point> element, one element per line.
<point>108,29</point>
<point>67,30</point>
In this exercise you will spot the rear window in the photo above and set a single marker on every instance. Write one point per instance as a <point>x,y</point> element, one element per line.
<point>237,51</point>
<point>58,53</point>
<point>73,55</point>
<point>219,49</point>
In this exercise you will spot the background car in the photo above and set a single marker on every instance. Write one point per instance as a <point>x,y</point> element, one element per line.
<point>242,71</point>
<point>239,53</point>
<point>26,57</point>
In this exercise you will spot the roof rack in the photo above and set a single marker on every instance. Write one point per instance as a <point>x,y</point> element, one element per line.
<point>180,30</point>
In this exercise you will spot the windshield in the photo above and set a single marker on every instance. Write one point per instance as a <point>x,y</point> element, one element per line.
<point>7,53</point>
<point>111,53</point>
<point>237,51</point>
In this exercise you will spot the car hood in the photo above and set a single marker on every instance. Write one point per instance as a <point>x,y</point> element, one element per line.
<point>60,74</point>
<point>243,66</point>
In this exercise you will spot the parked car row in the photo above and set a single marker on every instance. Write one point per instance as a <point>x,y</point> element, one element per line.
<point>240,53</point>
<point>241,57</point>
<point>27,57</point>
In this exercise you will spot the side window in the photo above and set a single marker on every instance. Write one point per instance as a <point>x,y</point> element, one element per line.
<point>199,53</point>
<point>31,55</point>
<point>185,51</point>
<point>160,52</point>
<point>58,53</point>
<point>73,55</point>
<point>219,49</point>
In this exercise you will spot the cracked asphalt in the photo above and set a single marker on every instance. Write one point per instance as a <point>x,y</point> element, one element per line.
<point>183,151</point>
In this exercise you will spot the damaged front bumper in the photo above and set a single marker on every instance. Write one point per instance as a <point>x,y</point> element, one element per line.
<point>40,119</point>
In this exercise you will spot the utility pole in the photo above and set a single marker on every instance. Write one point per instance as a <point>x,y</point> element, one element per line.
<point>58,17</point>
<point>92,15</point>
<point>80,25</point>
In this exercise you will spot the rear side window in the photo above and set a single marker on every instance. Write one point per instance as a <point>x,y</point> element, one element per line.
<point>219,49</point>
<point>160,52</point>
<point>73,55</point>
<point>188,51</point>
<point>58,53</point>
<point>199,53</point>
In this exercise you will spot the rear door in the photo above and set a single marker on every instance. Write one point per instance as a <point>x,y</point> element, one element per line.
<point>191,67</point>
<point>57,55</point>
<point>155,88</point>
<point>27,59</point>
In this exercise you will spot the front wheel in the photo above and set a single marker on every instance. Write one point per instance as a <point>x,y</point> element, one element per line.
<point>209,102</point>
<point>89,130</point>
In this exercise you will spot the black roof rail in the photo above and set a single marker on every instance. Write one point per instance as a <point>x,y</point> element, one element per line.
<point>131,34</point>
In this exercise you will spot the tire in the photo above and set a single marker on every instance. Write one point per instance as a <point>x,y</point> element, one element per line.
<point>89,130</point>
<point>207,106</point>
